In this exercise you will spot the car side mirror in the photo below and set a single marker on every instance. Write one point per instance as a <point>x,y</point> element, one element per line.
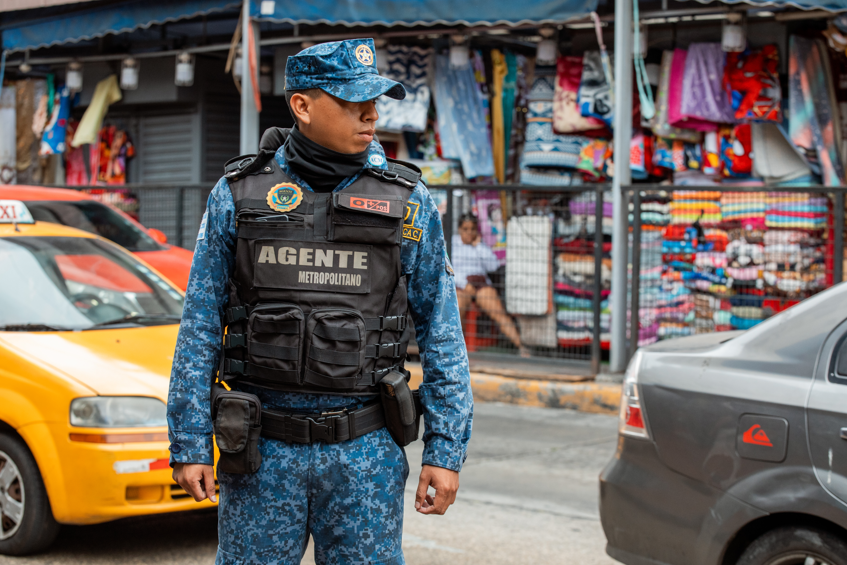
<point>158,235</point>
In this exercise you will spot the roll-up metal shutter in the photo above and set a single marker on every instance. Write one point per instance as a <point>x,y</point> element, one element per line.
<point>168,148</point>
<point>221,131</point>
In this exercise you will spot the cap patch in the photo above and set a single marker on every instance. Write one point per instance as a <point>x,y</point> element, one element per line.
<point>365,55</point>
<point>376,160</point>
<point>285,197</point>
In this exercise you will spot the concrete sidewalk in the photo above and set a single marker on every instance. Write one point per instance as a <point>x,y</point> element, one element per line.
<point>586,396</point>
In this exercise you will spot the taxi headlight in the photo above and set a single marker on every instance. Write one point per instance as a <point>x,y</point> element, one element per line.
<point>118,412</point>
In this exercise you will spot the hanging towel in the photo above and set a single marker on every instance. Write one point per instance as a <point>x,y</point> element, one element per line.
<point>566,115</point>
<point>703,95</point>
<point>409,66</point>
<point>676,117</point>
<point>752,80</point>
<point>595,92</point>
<point>106,93</point>
<point>461,119</point>
<point>53,140</point>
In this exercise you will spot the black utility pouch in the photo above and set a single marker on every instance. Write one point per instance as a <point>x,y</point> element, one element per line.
<point>238,425</point>
<point>402,415</point>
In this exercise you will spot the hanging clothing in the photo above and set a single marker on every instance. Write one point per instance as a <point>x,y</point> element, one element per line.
<point>461,119</point>
<point>703,95</point>
<point>53,140</point>
<point>595,92</point>
<point>811,118</point>
<point>8,134</point>
<point>544,148</point>
<point>676,117</point>
<point>498,147</point>
<point>661,124</point>
<point>508,99</point>
<point>106,93</point>
<point>751,79</point>
<point>76,171</point>
<point>121,150</point>
<point>409,66</point>
<point>566,114</point>
<point>24,111</point>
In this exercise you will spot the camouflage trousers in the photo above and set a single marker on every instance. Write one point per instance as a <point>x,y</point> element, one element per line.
<point>348,496</point>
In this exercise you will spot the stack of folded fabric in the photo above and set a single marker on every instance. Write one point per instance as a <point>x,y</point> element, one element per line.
<point>796,211</point>
<point>689,206</point>
<point>794,264</point>
<point>582,215</point>
<point>575,319</point>
<point>746,208</point>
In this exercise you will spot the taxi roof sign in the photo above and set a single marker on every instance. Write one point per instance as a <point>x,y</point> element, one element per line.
<point>14,212</point>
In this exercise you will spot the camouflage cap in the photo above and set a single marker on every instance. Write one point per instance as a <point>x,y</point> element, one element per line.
<point>345,69</point>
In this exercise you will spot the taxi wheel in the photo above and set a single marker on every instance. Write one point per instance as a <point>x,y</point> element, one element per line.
<point>796,546</point>
<point>26,520</point>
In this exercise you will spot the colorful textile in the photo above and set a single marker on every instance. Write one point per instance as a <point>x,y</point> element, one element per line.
<point>408,66</point>
<point>498,141</point>
<point>752,80</point>
<point>105,94</point>
<point>660,124</point>
<point>566,115</point>
<point>461,119</point>
<point>53,140</point>
<point>703,95</point>
<point>669,154</point>
<point>595,160</point>
<point>676,117</point>
<point>737,151</point>
<point>595,92</point>
<point>810,121</point>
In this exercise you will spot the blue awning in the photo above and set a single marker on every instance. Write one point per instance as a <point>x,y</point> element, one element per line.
<point>103,20</point>
<point>420,12</point>
<point>829,5</point>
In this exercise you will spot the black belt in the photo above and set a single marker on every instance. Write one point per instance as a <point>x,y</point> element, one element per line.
<point>327,427</point>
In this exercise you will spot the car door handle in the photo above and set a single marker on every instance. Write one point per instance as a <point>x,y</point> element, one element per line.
<point>843,433</point>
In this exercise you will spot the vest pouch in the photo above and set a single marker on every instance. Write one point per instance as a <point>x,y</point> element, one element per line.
<point>335,348</point>
<point>274,343</point>
<point>365,219</point>
<point>238,425</point>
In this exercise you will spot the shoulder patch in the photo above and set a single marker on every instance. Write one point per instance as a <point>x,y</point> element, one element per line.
<point>448,267</point>
<point>376,159</point>
<point>409,229</point>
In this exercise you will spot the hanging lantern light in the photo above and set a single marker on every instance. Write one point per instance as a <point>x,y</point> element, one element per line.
<point>25,67</point>
<point>73,76</point>
<point>546,51</point>
<point>237,66</point>
<point>129,73</point>
<point>734,36</point>
<point>459,52</point>
<point>266,82</point>
<point>184,75</point>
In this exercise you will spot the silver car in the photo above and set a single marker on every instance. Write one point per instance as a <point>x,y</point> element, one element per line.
<point>733,446</point>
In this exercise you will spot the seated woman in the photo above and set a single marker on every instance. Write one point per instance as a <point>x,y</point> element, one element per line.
<point>472,260</point>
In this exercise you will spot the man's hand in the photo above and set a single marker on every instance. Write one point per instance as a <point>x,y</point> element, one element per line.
<point>446,484</point>
<point>198,480</point>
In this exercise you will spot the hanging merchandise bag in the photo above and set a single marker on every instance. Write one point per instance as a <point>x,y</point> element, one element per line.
<point>751,80</point>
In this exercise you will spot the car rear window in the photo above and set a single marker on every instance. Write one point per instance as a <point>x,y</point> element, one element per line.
<point>94,217</point>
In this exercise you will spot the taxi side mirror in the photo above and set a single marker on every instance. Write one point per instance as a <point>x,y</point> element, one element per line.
<point>158,235</point>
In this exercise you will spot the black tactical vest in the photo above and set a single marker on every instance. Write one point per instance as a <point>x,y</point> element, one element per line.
<point>317,299</point>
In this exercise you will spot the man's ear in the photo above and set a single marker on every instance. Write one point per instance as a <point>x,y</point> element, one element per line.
<point>301,107</point>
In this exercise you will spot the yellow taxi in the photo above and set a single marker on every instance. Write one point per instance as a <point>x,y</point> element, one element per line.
<point>87,334</point>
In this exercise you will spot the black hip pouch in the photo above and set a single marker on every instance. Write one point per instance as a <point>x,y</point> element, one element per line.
<point>237,418</point>
<point>402,408</point>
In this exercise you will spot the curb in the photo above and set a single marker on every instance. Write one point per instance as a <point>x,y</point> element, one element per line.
<point>593,397</point>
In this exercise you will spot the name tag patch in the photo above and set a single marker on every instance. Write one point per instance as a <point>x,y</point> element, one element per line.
<point>382,206</point>
<point>328,267</point>
<point>412,233</point>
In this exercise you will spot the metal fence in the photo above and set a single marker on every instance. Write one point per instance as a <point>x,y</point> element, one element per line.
<point>726,258</point>
<point>537,279</point>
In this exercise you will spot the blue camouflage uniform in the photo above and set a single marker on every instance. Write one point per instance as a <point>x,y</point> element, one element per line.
<point>348,496</point>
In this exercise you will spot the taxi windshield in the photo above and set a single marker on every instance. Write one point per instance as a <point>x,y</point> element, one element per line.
<point>72,283</point>
<point>94,217</point>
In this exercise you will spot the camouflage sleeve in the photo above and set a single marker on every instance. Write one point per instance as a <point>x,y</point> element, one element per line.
<point>198,346</point>
<point>446,392</point>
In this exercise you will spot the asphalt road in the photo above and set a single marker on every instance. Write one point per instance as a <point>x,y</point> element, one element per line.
<point>528,495</point>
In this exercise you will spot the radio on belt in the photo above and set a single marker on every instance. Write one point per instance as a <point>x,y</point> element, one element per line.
<point>14,212</point>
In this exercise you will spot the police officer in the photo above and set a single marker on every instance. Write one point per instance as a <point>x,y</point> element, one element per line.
<point>308,259</point>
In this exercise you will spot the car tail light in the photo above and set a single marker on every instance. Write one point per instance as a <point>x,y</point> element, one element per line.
<point>632,422</point>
